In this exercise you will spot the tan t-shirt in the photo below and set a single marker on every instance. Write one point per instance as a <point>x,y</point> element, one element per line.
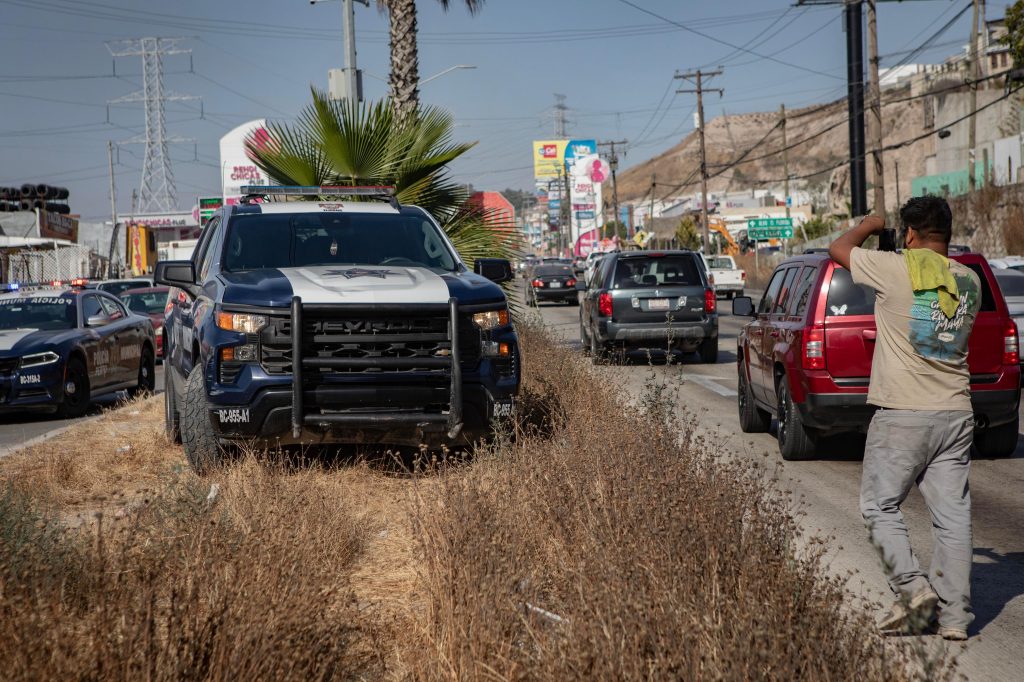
<point>920,360</point>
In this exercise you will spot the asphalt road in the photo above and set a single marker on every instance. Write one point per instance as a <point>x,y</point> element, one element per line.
<point>17,429</point>
<point>829,489</point>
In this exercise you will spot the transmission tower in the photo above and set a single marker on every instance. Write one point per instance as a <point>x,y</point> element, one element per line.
<point>559,112</point>
<point>156,191</point>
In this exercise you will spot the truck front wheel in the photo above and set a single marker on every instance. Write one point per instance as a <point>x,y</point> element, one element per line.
<point>202,448</point>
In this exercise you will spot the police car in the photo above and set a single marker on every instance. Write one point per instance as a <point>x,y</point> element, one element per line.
<point>62,347</point>
<point>343,321</point>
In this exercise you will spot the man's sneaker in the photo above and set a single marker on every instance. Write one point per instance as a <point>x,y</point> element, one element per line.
<point>913,616</point>
<point>953,634</point>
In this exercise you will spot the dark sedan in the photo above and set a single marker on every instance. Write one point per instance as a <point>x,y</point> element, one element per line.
<point>60,348</point>
<point>555,282</point>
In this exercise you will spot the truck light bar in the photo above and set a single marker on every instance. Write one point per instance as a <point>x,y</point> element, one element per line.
<point>320,190</point>
<point>375,191</point>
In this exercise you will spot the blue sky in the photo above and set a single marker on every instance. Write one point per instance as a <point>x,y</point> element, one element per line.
<point>257,58</point>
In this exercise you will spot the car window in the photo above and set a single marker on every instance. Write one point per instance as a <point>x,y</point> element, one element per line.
<point>787,287</point>
<point>1010,282</point>
<point>91,306</point>
<point>846,298</point>
<point>719,263</point>
<point>988,300</point>
<point>211,250</point>
<point>768,299</point>
<point>204,241</point>
<point>802,291</point>
<point>38,312</point>
<point>145,303</point>
<point>284,240</point>
<point>114,309</point>
<point>600,275</point>
<point>635,273</point>
<point>553,271</point>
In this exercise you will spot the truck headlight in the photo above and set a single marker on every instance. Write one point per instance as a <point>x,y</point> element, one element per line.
<point>37,359</point>
<point>492,319</point>
<point>241,322</point>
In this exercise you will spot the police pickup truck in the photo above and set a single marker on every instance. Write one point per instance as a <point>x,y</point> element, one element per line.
<point>345,321</point>
<point>60,347</point>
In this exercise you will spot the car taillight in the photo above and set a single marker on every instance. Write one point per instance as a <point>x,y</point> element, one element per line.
<point>1011,345</point>
<point>743,275</point>
<point>537,284</point>
<point>570,282</point>
<point>710,302</point>
<point>604,305</point>
<point>814,348</point>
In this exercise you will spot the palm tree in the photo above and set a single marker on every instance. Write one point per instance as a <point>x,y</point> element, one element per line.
<point>405,60</point>
<point>339,143</point>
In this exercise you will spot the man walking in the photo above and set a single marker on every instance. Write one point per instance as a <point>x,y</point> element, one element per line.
<point>925,309</point>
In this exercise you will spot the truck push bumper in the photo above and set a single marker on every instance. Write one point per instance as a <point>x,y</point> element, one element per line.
<point>421,421</point>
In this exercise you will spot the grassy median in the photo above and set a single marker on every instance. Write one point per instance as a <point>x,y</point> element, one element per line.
<point>590,541</point>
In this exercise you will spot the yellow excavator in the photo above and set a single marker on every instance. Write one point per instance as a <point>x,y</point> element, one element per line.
<point>731,247</point>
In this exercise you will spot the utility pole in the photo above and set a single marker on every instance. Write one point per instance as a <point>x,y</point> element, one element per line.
<point>697,77</point>
<point>654,185</point>
<point>785,168</point>
<point>346,83</point>
<point>855,98</point>
<point>113,210</point>
<point>613,163</point>
<point>973,75</point>
<point>875,99</point>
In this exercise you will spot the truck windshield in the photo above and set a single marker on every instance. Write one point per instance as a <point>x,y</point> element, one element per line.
<point>288,240</point>
<point>50,312</point>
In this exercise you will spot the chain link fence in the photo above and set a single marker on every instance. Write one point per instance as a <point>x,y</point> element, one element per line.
<point>43,264</point>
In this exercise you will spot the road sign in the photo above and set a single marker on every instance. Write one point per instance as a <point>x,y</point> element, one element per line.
<point>769,228</point>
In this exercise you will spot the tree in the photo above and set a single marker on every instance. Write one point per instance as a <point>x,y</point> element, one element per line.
<point>405,61</point>
<point>1014,38</point>
<point>340,143</point>
<point>687,235</point>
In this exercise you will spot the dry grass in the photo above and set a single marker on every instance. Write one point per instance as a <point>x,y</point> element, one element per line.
<point>597,543</point>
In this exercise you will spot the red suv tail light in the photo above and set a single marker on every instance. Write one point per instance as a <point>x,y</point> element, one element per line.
<point>570,282</point>
<point>814,348</point>
<point>1011,344</point>
<point>604,305</point>
<point>710,301</point>
<point>537,284</point>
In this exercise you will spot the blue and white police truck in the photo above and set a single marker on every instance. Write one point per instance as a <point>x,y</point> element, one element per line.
<point>348,320</point>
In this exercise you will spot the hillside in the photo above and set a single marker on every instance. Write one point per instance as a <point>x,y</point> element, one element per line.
<point>729,137</point>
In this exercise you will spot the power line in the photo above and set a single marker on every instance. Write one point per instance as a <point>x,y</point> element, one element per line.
<point>725,42</point>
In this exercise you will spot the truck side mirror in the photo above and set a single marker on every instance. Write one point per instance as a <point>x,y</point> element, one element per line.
<point>743,306</point>
<point>177,273</point>
<point>497,270</point>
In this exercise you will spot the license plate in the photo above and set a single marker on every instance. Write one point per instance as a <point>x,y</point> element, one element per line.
<point>556,285</point>
<point>657,304</point>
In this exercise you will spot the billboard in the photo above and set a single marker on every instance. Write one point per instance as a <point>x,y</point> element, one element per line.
<point>549,158</point>
<point>236,167</point>
<point>56,226</point>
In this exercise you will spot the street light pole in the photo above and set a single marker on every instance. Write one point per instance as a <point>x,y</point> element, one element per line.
<point>353,82</point>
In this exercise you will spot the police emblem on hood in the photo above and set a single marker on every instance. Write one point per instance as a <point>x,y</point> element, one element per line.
<point>352,273</point>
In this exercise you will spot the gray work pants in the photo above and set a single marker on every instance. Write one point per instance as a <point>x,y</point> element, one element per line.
<point>932,449</point>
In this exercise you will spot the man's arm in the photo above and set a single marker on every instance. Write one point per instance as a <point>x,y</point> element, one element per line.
<point>842,247</point>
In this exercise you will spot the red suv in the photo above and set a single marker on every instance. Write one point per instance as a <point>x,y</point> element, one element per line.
<point>806,358</point>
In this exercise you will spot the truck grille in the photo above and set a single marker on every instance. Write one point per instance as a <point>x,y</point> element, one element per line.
<point>367,338</point>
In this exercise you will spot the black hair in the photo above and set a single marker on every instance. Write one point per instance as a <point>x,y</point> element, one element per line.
<point>930,217</point>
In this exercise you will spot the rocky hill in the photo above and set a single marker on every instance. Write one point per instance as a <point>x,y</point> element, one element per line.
<point>824,129</point>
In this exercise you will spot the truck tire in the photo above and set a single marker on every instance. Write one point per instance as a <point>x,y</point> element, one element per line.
<point>584,339</point>
<point>202,448</point>
<point>147,374</point>
<point>708,351</point>
<point>752,418</point>
<point>997,441</point>
<point>172,420</point>
<point>795,441</point>
<point>598,351</point>
<point>76,390</point>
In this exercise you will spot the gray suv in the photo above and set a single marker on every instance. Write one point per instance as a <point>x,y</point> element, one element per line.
<point>658,300</point>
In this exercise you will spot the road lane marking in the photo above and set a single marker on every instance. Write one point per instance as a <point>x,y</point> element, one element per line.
<point>710,384</point>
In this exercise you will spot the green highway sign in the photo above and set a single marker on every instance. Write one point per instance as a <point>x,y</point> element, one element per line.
<point>769,228</point>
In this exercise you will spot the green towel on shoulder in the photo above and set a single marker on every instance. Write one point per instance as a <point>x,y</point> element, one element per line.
<point>930,271</point>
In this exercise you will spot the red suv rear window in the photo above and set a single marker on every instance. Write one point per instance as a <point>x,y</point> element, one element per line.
<point>846,298</point>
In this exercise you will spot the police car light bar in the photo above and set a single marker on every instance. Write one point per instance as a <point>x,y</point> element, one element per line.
<point>319,190</point>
